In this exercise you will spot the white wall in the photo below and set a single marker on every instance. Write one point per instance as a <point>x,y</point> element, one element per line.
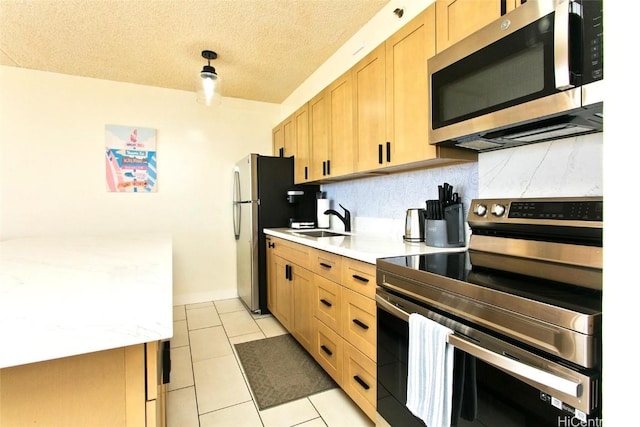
<point>52,168</point>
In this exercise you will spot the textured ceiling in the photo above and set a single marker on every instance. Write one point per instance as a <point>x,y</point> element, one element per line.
<point>266,48</point>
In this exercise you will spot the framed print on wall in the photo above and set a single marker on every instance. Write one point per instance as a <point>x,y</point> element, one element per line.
<point>130,159</point>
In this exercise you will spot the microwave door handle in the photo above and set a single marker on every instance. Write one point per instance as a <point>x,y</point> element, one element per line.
<point>563,385</point>
<point>561,46</point>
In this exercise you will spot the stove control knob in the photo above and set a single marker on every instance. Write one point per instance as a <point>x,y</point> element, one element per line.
<point>498,209</point>
<point>480,209</point>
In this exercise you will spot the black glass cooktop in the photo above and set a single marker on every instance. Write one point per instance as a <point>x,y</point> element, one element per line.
<point>458,266</point>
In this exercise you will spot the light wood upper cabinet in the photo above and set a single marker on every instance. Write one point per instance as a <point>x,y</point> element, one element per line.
<point>369,109</point>
<point>302,156</point>
<point>341,145</point>
<point>457,19</point>
<point>376,115</point>
<point>319,135</point>
<point>391,97</point>
<point>331,130</point>
<point>283,137</point>
<point>407,95</point>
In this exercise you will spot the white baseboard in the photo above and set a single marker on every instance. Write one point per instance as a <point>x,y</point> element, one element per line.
<point>194,298</point>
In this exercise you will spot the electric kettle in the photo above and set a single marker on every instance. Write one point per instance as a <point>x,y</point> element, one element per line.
<point>414,225</point>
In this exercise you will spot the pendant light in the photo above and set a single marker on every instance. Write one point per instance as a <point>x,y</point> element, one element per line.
<point>209,82</point>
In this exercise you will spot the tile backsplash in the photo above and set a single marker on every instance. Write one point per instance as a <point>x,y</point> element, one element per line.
<point>568,167</point>
<point>389,196</point>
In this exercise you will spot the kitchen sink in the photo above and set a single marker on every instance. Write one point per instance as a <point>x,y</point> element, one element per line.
<point>320,233</point>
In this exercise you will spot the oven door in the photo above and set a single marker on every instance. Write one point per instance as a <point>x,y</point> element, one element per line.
<point>512,386</point>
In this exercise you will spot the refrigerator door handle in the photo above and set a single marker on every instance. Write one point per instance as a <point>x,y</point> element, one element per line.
<point>237,211</point>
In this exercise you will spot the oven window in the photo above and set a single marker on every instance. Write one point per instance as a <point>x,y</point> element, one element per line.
<point>501,400</point>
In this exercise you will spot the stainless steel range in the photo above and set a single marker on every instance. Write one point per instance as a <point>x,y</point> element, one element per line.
<point>525,305</point>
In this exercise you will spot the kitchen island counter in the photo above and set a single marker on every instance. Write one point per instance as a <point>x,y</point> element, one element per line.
<point>363,246</point>
<point>66,296</point>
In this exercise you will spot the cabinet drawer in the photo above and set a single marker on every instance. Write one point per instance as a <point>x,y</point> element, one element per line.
<point>359,379</point>
<point>359,322</point>
<point>326,264</point>
<point>329,351</point>
<point>359,276</point>
<point>327,302</point>
<point>292,252</point>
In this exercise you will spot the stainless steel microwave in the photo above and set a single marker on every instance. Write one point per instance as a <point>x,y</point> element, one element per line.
<point>535,74</point>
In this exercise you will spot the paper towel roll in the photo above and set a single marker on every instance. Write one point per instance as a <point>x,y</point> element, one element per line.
<point>323,220</point>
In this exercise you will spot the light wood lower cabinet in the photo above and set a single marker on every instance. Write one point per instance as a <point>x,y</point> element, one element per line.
<point>359,379</point>
<point>329,350</point>
<point>328,306</point>
<point>303,323</point>
<point>109,388</point>
<point>359,322</point>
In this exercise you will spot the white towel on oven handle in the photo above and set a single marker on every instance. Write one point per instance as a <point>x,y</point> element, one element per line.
<point>430,371</point>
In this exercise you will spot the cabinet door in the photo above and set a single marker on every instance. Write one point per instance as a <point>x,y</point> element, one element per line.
<point>457,19</point>
<point>327,302</point>
<point>104,388</point>
<point>341,142</point>
<point>289,137</point>
<point>369,108</point>
<point>302,153</point>
<point>283,309</point>
<point>277,138</point>
<point>303,320</point>
<point>319,136</point>
<point>407,97</point>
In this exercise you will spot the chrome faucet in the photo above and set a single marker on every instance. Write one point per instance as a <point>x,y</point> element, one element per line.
<point>346,219</point>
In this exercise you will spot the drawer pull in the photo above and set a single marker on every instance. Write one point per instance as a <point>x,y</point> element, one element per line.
<point>325,302</point>
<point>325,265</point>
<point>360,278</point>
<point>326,350</point>
<point>360,323</point>
<point>361,382</point>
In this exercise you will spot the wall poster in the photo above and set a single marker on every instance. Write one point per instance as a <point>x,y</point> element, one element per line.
<point>130,159</point>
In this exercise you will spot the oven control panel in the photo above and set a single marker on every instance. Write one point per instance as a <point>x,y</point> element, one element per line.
<point>534,211</point>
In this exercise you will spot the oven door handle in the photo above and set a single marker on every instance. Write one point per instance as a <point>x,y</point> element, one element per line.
<point>511,366</point>
<point>563,385</point>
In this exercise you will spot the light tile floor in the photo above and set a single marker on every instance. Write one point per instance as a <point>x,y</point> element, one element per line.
<point>208,387</point>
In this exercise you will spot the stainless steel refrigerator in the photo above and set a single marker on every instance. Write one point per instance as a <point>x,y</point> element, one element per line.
<point>260,201</point>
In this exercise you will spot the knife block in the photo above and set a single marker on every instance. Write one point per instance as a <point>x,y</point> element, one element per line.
<point>447,232</point>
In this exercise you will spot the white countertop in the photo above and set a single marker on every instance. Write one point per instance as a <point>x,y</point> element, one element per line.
<point>66,296</point>
<point>362,246</point>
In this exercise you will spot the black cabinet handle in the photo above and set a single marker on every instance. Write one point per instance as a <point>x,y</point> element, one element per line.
<point>281,150</point>
<point>166,362</point>
<point>324,168</point>
<point>325,302</point>
<point>326,350</point>
<point>360,278</point>
<point>328,167</point>
<point>306,172</point>
<point>325,265</point>
<point>503,7</point>
<point>271,245</point>
<point>361,382</point>
<point>380,153</point>
<point>360,323</point>
<point>388,152</point>
<point>287,272</point>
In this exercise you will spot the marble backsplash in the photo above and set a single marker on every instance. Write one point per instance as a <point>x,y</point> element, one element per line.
<point>568,167</point>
